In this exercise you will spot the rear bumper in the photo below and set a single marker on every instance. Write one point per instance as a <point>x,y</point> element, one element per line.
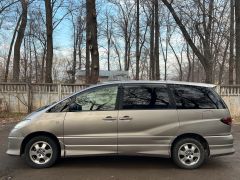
<point>14,145</point>
<point>220,145</point>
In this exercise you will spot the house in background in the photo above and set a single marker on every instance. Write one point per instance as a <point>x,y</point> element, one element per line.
<point>104,75</point>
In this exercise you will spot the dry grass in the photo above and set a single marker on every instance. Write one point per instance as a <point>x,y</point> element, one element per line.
<point>6,117</point>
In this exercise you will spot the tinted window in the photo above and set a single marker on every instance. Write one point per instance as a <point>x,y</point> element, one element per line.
<point>193,97</point>
<point>103,99</point>
<point>144,97</point>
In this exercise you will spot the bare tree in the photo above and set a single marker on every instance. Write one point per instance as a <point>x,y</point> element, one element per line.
<point>152,57</point>
<point>231,58</point>
<point>10,49</point>
<point>237,30</point>
<point>205,59</point>
<point>157,34</point>
<point>137,39</point>
<point>125,24</point>
<point>179,61</point>
<point>18,43</point>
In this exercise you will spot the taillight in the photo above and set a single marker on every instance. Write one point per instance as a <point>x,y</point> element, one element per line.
<point>227,120</point>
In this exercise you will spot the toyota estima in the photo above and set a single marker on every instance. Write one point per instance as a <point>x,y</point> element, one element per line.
<point>188,122</point>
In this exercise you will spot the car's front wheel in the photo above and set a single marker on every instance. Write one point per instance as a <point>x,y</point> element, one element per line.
<point>41,152</point>
<point>188,153</point>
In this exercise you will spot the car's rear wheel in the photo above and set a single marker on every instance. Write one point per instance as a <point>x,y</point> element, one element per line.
<point>41,152</point>
<point>188,153</point>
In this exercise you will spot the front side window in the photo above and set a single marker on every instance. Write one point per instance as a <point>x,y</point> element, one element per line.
<point>193,97</point>
<point>101,99</point>
<point>62,106</point>
<point>144,97</point>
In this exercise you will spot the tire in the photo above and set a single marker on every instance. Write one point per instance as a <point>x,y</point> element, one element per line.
<point>188,153</point>
<point>41,152</point>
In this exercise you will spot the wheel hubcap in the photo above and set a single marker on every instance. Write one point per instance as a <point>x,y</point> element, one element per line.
<point>189,154</point>
<point>40,152</point>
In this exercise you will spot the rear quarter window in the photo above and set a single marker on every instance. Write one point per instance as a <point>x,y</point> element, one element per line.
<point>195,97</point>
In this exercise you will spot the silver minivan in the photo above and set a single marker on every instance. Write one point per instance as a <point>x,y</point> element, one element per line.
<point>188,122</point>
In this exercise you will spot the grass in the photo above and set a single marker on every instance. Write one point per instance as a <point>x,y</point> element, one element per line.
<point>11,115</point>
<point>6,117</point>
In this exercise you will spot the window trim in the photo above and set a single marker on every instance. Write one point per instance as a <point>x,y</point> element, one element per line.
<point>172,105</point>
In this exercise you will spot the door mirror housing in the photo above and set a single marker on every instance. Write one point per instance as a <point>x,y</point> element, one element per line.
<point>74,107</point>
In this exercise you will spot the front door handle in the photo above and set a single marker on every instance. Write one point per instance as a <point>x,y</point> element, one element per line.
<point>125,118</point>
<point>109,118</point>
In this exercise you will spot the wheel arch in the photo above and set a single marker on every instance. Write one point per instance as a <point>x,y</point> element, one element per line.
<point>198,137</point>
<point>36,134</point>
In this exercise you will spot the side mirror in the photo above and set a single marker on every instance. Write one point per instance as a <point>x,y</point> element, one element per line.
<point>74,107</point>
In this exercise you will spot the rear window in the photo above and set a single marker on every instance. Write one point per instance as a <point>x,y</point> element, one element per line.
<point>146,97</point>
<point>194,97</point>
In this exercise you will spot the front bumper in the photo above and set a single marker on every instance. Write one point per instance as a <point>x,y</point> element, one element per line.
<point>14,145</point>
<point>220,145</point>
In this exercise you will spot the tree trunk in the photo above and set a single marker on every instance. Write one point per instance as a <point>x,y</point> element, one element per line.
<point>137,43</point>
<point>25,58</point>
<point>49,26</point>
<point>178,61</point>
<point>43,63</point>
<point>92,32</point>
<point>237,31</point>
<point>75,46</point>
<point>10,50</point>
<point>222,65</point>
<point>231,58</point>
<point>157,34</point>
<point>87,66</point>
<point>30,59</point>
<point>126,51</point>
<point>189,64</point>
<point>152,59</point>
<point>18,43</point>
<point>108,43</point>
<point>36,61</point>
<point>118,55</point>
<point>80,51</point>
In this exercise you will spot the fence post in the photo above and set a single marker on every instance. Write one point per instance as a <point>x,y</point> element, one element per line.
<point>59,91</point>
<point>29,97</point>
<point>218,89</point>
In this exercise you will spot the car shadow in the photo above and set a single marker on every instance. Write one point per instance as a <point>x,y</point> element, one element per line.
<point>129,162</point>
<point>122,162</point>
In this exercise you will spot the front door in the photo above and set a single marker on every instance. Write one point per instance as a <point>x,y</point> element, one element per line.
<point>92,127</point>
<point>148,120</point>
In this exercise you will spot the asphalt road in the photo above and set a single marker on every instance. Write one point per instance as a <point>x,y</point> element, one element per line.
<point>111,168</point>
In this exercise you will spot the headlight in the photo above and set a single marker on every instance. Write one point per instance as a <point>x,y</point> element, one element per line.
<point>22,123</point>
